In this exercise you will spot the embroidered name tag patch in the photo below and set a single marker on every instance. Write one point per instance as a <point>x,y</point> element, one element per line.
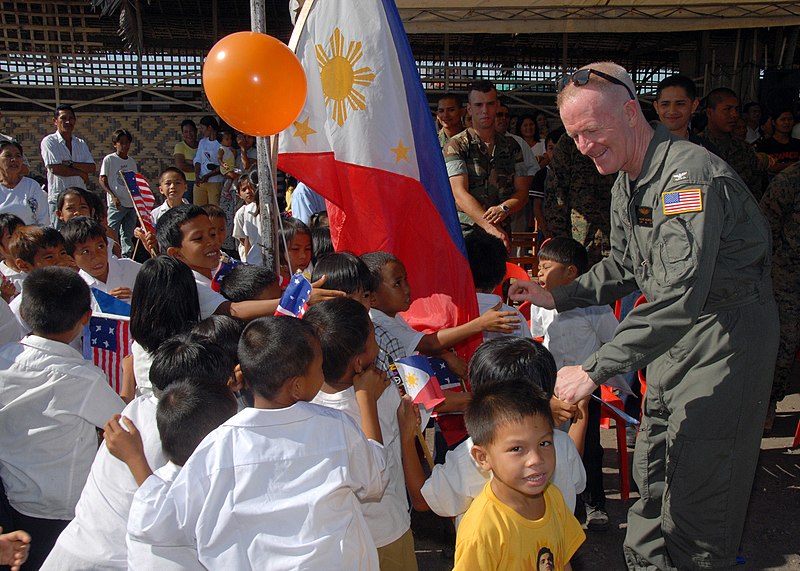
<point>680,201</point>
<point>644,216</point>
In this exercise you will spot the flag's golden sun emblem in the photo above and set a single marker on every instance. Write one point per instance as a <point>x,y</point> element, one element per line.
<point>340,76</point>
<point>411,380</point>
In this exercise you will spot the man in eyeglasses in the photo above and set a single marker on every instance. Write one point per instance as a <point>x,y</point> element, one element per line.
<point>487,171</point>
<point>688,233</point>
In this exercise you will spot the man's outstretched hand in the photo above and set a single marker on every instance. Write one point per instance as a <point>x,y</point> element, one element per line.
<point>532,292</point>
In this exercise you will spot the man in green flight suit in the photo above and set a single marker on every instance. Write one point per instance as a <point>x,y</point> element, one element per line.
<point>685,230</point>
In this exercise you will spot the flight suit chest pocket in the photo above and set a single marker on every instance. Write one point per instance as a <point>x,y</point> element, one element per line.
<point>674,252</point>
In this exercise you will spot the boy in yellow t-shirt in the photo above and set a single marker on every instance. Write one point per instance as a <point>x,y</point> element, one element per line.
<point>519,517</point>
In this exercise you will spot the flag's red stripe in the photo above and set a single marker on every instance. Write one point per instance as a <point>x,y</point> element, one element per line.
<point>372,209</point>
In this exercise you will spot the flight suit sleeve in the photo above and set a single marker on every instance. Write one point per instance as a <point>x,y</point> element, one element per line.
<point>676,275</point>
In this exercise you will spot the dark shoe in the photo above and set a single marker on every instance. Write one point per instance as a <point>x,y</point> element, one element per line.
<point>596,519</point>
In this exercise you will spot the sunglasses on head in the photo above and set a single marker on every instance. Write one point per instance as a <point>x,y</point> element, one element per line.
<point>581,77</point>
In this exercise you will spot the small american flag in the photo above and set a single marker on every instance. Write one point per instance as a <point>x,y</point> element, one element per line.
<point>106,341</point>
<point>679,201</point>
<point>143,199</point>
<point>295,299</point>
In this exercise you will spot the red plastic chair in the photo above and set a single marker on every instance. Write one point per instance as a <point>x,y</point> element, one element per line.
<point>606,414</point>
<point>512,271</point>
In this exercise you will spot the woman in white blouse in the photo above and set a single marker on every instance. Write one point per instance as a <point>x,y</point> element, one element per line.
<point>20,195</point>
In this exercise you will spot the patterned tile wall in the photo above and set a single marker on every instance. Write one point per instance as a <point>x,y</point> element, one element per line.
<point>154,137</point>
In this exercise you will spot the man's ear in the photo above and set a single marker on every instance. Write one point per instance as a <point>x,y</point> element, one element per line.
<point>480,456</point>
<point>236,381</point>
<point>23,265</point>
<point>695,105</point>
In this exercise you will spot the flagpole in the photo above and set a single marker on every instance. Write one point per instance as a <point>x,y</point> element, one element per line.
<point>139,216</point>
<point>268,215</point>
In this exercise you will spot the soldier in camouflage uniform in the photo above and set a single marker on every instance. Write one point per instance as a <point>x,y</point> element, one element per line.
<point>781,206</point>
<point>722,115</point>
<point>486,170</point>
<point>577,200</point>
<point>450,115</point>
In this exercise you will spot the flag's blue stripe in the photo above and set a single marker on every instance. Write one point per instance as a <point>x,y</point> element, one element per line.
<point>432,173</point>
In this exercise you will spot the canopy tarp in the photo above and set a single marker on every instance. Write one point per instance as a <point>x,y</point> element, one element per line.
<point>592,16</point>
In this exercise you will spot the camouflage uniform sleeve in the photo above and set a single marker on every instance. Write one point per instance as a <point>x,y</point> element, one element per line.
<point>777,202</point>
<point>556,198</point>
<point>454,158</point>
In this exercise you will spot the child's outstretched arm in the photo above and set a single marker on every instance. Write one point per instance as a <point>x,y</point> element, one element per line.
<point>249,310</point>
<point>408,420</point>
<point>14,548</point>
<point>369,385</point>
<point>127,446</point>
<point>493,320</point>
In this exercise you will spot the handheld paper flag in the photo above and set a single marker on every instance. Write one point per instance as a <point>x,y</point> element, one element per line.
<point>295,299</point>
<point>419,381</point>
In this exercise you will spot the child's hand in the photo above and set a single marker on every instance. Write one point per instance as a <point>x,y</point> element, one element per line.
<point>562,411</point>
<point>7,289</point>
<point>121,292</point>
<point>371,382</point>
<point>318,294</point>
<point>408,419</point>
<point>456,363</point>
<point>14,547</point>
<point>454,402</point>
<point>123,444</point>
<point>499,321</point>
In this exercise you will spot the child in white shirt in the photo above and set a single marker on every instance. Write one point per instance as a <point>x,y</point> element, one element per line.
<point>246,223</point>
<point>572,336</point>
<point>121,215</point>
<point>52,403</point>
<point>487,260</point>
<point>85,241</point>
<point>349,350</point>
<point>278,486</point>
<point>96,537</point>
<point>8,225</point>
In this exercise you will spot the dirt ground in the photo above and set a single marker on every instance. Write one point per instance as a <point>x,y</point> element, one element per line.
<point>772,532</point>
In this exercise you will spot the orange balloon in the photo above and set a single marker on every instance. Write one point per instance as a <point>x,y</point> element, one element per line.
<point>255,83</point>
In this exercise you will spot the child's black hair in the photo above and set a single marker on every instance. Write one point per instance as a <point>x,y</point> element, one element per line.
<point>164,301</point>
<point>88,198</point>
<point>245,282</point>
<point>321,243</point>
<point>210,121</point>
<point>168,229</point>
<point>503,359</point>
<point>487,258</point>
<point>119,133</point>
<point>291,227</point>
<point>274,350</point>
<point>214,211</point>
<point>80,229</point>
<point>9,223</point>
<point>319,220</point>
<point>197,360</point>
<point>28,240</point>
<point>565,251</point>
<point>375,262</point>
<point>343,327</point>
<point>503,403</point>
<point>175,170</point>
<point>54,300</point>
<point>345,272</point>
<point>223,330</point>
<point>187,413</point>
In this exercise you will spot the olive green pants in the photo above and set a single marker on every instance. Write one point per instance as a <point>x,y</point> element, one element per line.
<point>699,441</point>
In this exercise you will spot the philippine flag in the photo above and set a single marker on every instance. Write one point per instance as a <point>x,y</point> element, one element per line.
<point>419,382</point>
<point>365,141</point>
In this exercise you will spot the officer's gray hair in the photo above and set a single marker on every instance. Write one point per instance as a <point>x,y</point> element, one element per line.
<point>609,67</point>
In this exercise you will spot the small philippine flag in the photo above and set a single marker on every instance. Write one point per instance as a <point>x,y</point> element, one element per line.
<point>679,201</point>
<point>419,381</point>
<point>295,299</point>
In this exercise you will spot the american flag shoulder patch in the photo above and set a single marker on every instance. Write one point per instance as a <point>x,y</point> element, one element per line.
<point>680,201</point>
